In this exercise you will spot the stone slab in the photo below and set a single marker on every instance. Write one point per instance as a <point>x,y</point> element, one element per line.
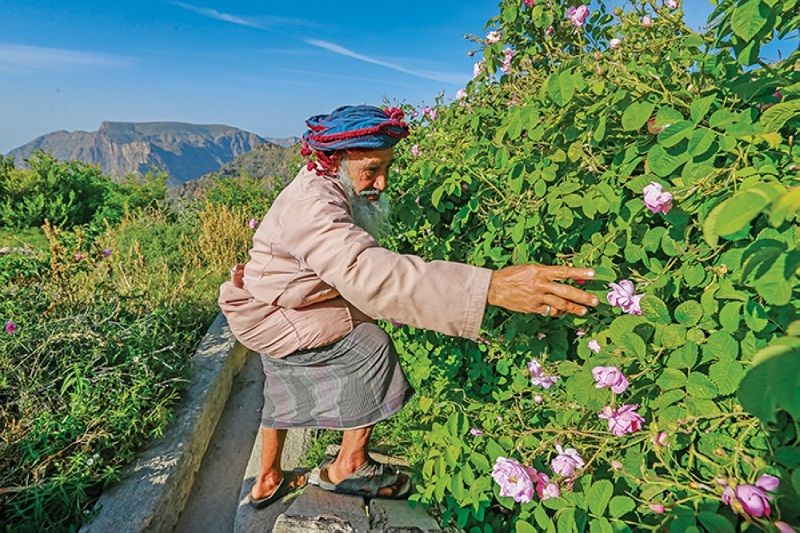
<point>317,510</point>
<point>249,520</point>
<point>397,516</point>
<point>155,487</point>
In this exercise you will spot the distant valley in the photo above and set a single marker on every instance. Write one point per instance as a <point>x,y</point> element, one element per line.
<point>185,151</point>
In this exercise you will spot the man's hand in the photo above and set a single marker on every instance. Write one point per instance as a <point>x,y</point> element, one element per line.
<point>237,276</point>
<point>532,289</point>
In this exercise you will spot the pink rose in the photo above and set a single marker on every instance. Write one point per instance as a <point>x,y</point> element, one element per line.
<point>541,335</point>
<point>613,43</point>
<point>529,3</point>
<point>79,256</point>
<point>616,465</point>
<point>508,55</point>
<point>538,399</point>
<point>646,21</point>
<point>567,461</point>
<point>655,199</point>
<point>623,420</point>
<point>610,376</point>
<point>538,377</point>
<point>657,508</point>
<point>545,488</point>
<point>10,327</point>
<point>660,439</point>
<point>461,94</point>
<point>673,4</point>
<point>754,500</point>
<point>768,482</point>
<point>475,432</point>
<point>622,296</point>
<point>594,346</point>
<point>580,332</point>
<point>106,252</point>
<point>415,150</point>
<point>477,68</point>
<point>252,223</point>
<point>429,112</point>
<point>578,15</point>
<point>549,31</point>
<point>493,37</point>
<point>783,527</point>
<point>515,480</point>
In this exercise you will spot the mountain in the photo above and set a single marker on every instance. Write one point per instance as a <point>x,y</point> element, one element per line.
<point>283,141</point>
<point>185,151</point>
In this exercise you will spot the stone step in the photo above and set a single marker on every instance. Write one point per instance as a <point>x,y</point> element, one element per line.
<point>397,516</point>
<point>317,510</point>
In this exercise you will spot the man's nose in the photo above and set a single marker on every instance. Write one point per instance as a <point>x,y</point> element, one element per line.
<point>380,182</point>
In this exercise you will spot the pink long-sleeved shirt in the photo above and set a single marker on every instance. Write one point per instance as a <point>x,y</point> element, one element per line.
<point>313,275</point>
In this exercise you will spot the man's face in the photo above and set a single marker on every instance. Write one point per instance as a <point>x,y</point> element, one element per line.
<point>369,171</point>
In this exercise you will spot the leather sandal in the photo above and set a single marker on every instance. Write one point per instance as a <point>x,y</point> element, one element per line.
<point>367,481</point>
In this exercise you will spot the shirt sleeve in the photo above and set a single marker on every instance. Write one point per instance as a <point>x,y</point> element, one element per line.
<point>444,296</point>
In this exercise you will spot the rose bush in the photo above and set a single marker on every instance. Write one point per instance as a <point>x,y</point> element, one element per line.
<point>666,160</point>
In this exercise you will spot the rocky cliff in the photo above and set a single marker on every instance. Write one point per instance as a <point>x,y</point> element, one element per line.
<point>185,151</point>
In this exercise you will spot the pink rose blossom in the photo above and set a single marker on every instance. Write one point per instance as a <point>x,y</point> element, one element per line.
<point>660,439</point>
<point>545,488</point>
<point>783,527</point>
<point>252,223</point>
<point>493,37</point>
<point>508,55</point>
<point>610,376</point>
<point>106,252</point>
<point>622,296</point>
<point>475,432</point>
<point>594,346</point>
<point>580,332</point>
<point>549,31</point>
<point>10,328</point>
<point>515,480</point>
<point>538,399</point>
<point>655,199</point>
<point>79,257</point>
<point>647,21</point>
<point>657,508</point>
<point>529,3</point>
<point>415,150</point>
<point>673,4</point>
<point>613,43</point>
<point>578,15</point>
<point>754,500</point>
<point>429,112</point>
<point>477,68</point>
<point>616,465</point>
<point>461,94</point>
<point>567,461</point>
<point>541,335</point>
<point>768,482</point>
<point>623,420</point>
<point>538,377</point>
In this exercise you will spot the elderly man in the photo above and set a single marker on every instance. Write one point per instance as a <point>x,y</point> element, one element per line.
<point>316,281</point>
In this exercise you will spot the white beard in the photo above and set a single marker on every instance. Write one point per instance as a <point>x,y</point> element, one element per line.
<point>372,217</point>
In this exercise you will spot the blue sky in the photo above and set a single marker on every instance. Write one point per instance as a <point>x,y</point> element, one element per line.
<point>261,66</point>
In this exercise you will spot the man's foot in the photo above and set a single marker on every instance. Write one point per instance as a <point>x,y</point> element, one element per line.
<point>266,488</point>
<point>335,473</point>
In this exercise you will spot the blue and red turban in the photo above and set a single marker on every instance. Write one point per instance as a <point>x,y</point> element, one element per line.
<point>360,127</point>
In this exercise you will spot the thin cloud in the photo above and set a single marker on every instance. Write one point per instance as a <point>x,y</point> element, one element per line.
<point>260,23</point>
<point>341,50</point>
<point>16,56</point>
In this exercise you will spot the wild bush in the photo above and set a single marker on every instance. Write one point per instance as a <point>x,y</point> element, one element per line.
<point>666,160</point>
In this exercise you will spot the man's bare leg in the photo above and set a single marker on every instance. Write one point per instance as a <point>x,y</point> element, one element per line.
<point>353,454</point>
<point>270,476</point>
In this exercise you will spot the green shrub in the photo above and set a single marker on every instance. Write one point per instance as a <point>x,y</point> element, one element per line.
<point>548,163</point>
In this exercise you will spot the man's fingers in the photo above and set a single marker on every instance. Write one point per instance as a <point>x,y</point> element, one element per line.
<point>573,294</point>
<point>564,305</point>
<point>559,272</point>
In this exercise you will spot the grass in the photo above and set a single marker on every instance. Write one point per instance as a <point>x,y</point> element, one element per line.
<point>28,237</point>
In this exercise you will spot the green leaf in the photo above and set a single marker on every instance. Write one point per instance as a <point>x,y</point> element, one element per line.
<point>662,163</point>
<point>675,133</point>
<point>671,378</point>
<point>776,116</point>
<point>730,316</point>
<point>525,527</point>
<point>655,310</point>
<point>701,106</point>
<point>749,18</point>
<point>635,115</point>
<point>736,212</point>
<point>785,207</point>
<point>684,357</point>
<point>773,383</point>
<point>634,345</point>
<point>715,523</point>
<point>600,525</point>
<point>689,313</point>
<point>720,346</point>
<point>620,505</point>
<point>494,450</point>
<point>599,495</point>
<point>561,87</point>
<point>726,375</point>
<point>700,141</point>
<point>699,386</point>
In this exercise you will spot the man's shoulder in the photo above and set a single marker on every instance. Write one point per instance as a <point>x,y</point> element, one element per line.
<point>307,188</point>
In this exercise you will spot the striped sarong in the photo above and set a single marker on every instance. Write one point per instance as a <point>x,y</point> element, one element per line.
<point>354,382</point>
